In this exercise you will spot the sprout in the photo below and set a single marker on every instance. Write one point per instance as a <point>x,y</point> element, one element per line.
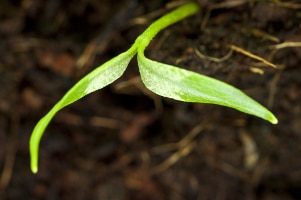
<point>162,79</point>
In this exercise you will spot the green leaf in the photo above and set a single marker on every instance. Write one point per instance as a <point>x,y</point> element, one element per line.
<point>105,74</point>
<point>165,80</point>
<point>183,85</point>
<point>95,80</point>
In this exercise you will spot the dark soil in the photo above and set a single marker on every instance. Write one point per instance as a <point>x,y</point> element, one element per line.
<point>125,143</point>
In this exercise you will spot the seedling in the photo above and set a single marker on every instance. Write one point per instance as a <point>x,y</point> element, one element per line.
<point>162,79</point>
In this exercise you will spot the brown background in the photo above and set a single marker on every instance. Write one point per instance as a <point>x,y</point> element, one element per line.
<point>124,142</point>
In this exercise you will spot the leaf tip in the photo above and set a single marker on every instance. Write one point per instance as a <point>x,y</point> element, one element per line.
<point>34,169</point>
<point>273,120</point>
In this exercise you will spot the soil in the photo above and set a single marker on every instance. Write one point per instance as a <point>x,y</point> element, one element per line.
<point>123,142</point>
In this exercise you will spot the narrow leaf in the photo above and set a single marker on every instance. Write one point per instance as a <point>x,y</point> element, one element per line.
<point>95,80</point>
<point>183,85</point>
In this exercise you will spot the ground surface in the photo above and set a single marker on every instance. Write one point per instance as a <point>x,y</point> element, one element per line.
<point>123,142</point>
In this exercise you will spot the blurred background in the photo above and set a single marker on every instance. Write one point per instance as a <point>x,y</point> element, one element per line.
<point>124,142</point>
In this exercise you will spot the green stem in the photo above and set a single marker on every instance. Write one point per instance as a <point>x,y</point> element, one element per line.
<point>105,74</point>
<point>170,18</point>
